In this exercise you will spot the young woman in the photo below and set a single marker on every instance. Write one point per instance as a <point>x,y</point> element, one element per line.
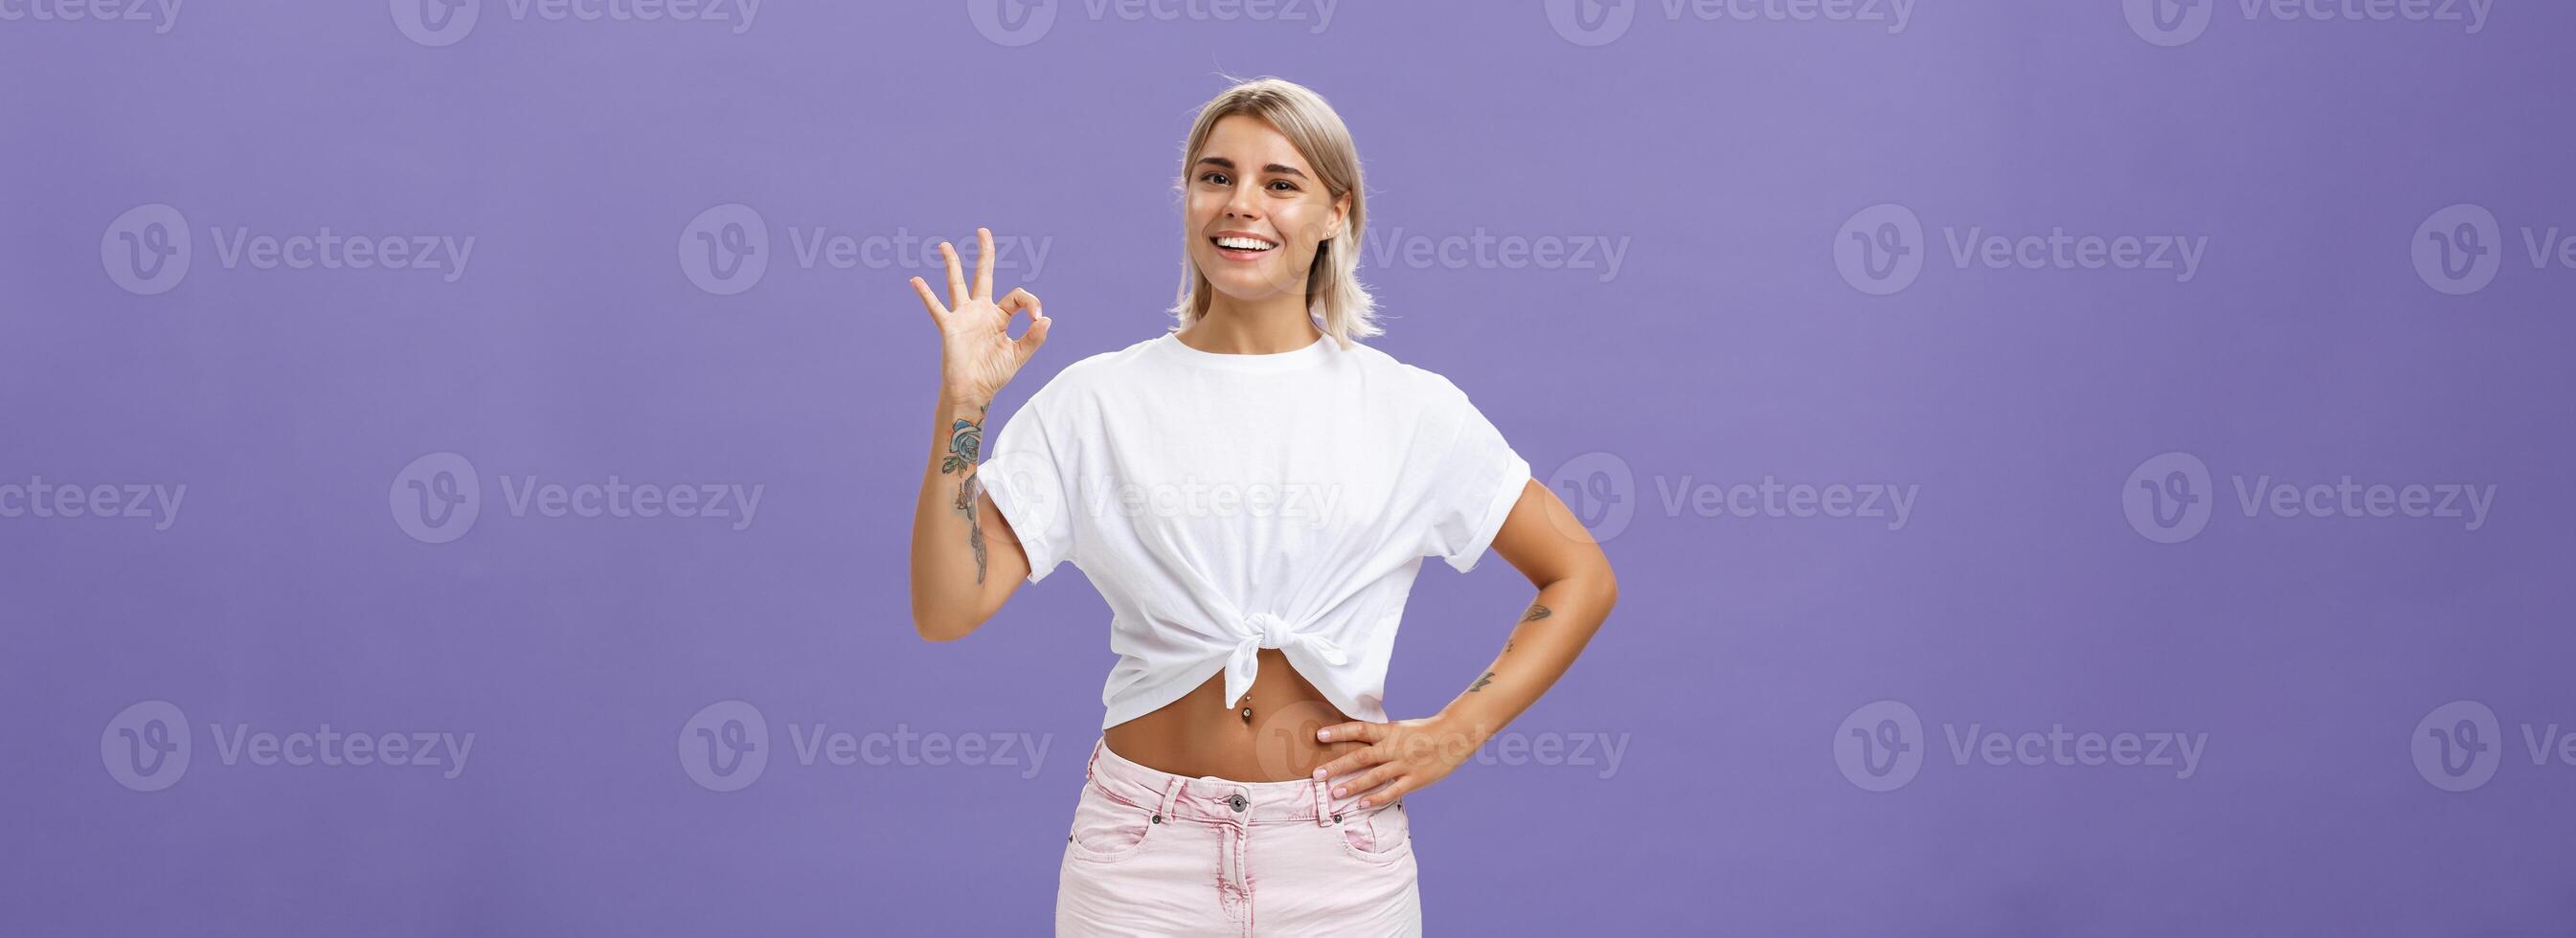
<point>1253,493</point>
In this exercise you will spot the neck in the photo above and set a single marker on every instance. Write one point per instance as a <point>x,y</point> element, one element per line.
<point>1266,327</point>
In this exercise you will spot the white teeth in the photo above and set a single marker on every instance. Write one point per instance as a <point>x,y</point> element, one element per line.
<point>1244,244</point>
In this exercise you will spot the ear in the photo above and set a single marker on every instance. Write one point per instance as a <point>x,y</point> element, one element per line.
<point>1341,213</point>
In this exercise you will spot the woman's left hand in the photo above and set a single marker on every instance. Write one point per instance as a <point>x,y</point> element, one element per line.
<point>1405,755</point>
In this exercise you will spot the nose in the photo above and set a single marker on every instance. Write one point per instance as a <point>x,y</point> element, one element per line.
<point>1242,202</point>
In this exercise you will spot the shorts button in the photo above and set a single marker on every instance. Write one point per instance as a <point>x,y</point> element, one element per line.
<point>1239,802</point>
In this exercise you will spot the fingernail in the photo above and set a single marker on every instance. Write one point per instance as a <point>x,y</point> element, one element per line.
<point>1363,802</point>
<point>1319,773</point>
<point>1339,792</point>
<point>1323,734</point>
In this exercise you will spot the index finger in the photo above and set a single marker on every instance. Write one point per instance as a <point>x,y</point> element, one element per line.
<point>928,299</point>
<point>983,263</point>
<point>1349,763</point>
<point>1362,730</point>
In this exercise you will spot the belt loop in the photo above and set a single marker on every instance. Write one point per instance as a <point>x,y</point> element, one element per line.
<point>1172,786</point>
<point>1090,768</point>
<point>1323,802</point>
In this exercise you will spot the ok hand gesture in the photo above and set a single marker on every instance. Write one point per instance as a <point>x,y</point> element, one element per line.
<point>977,354</point>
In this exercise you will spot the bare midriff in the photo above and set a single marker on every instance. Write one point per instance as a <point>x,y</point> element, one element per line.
<point>1198,735</point>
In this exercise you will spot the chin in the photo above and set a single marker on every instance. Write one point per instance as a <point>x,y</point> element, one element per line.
<point>1244,289</point>
<point>1244,285</point>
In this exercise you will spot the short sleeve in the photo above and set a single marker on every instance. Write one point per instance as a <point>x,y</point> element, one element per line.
<point>1475,481</point>
<point>1029,481</point>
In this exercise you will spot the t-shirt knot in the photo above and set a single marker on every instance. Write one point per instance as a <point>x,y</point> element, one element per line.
<point>1268,630</point>
<point>1272,630</point>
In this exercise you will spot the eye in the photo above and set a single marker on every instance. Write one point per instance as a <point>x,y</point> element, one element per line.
<point>1292,187</point>
<point>1213,176</point>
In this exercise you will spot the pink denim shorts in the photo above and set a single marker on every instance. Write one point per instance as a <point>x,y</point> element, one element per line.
<point>1153,853</point>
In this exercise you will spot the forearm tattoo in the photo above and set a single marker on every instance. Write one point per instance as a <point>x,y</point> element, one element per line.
<point>1481,682</point>
<point>1535,613</point>
<point>965,441</point>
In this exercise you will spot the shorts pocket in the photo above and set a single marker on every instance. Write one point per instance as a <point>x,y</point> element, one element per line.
<point>1380,835</point>
<point>1106,830</point>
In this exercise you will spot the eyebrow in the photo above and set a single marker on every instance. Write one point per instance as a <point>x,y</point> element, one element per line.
<point>1272,168</point>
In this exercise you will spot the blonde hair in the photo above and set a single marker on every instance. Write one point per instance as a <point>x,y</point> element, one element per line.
<point>1334,295</point>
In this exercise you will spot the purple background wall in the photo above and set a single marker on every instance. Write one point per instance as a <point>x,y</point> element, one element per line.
<point>1800,701</point>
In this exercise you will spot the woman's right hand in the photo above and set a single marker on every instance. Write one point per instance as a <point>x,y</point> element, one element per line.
<point>977,354</point>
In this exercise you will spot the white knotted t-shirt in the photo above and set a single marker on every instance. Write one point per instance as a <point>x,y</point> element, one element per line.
<point>1223,504</point>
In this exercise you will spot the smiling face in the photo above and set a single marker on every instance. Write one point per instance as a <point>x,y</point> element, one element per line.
<point>1256,211</point>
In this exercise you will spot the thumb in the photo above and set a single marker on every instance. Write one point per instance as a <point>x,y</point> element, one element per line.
<point>1028,342</point>
<point>1036,337</point>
